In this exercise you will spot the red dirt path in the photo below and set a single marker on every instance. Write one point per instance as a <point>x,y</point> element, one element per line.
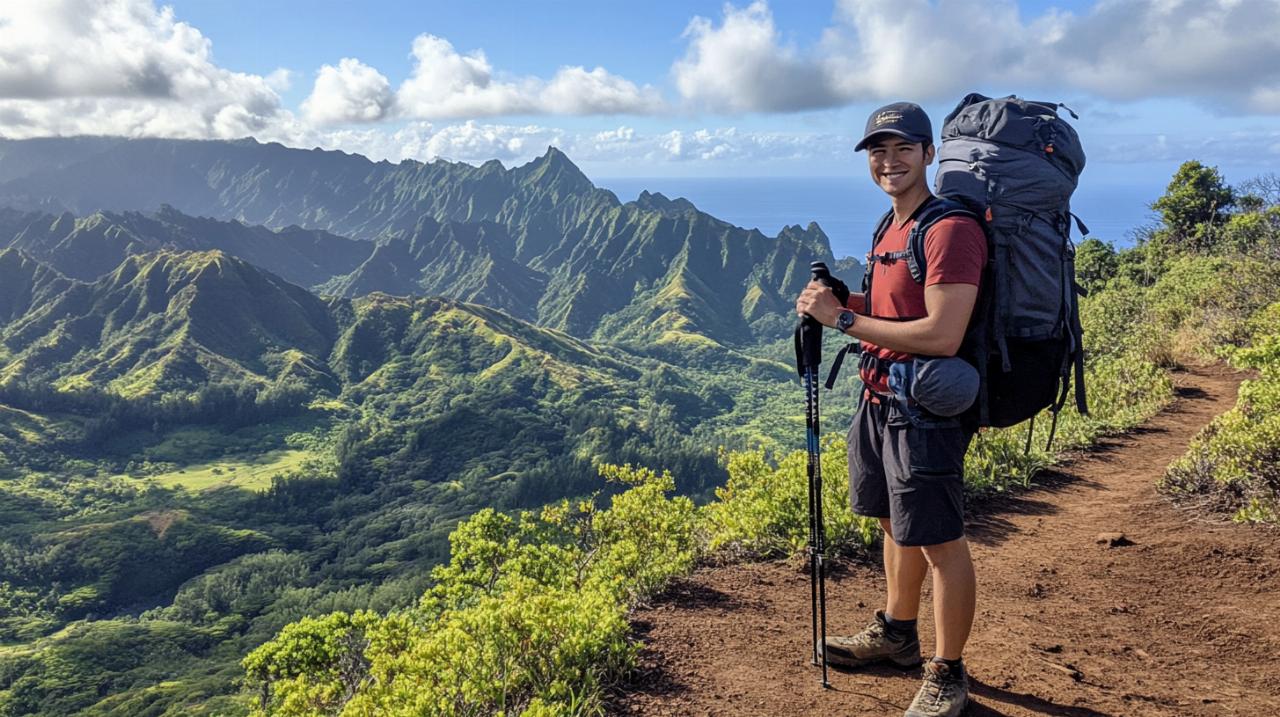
<point>1183,622</point>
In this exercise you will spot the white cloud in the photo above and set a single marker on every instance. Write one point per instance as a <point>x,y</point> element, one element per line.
<point>122,67</point>
<point>882,49</point>
<point>577,91</point>
<point>470,142</point>
<point>350,92</point>
<point>1214,50</point>
<point>1222,53</point>
<point>446,84</point>
<point>126,67</point>
<point>476,142</point>
<point>741,66</point>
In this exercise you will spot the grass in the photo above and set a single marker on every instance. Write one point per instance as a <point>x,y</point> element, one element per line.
<point>247,472</point>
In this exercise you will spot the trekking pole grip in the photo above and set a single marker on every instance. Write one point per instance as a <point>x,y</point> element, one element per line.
<point>809,332</point>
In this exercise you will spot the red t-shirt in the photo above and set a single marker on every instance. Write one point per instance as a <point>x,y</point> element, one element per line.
<point>955,252</point>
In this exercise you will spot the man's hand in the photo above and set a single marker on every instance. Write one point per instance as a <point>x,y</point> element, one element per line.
<point>818,301</point>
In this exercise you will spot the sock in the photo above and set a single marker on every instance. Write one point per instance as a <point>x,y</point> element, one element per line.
<point>955,666</point>
<point>899,629</point>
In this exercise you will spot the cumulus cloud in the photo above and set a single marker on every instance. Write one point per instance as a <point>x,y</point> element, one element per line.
<point>577,91</point>
<point>890,48</point>
<point>742,66</point>
<point>123,67</point>
<point>447,84</point>
<point>350,92</point>
<point>1223,53</point>
<point>126,67</point>
<point>470,141</point>
<point>1217,50</point>
<point>476,142</point>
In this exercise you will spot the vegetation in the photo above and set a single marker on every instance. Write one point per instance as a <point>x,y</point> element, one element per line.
<point>528,617</point>
<point>1233,466</point>
<point>393,505</point>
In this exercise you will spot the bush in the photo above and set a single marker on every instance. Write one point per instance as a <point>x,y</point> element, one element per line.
<point>764,507</point>
<point>528,617</point>
<point>1234,464</point>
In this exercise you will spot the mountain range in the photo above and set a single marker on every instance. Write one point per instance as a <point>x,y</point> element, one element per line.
<point>538,241</point>
<point>219,356</point>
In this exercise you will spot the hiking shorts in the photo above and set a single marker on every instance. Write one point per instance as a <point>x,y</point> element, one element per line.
<point>911,474</point>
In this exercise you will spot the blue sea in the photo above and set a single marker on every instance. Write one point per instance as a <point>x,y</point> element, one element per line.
<point>847,207</point>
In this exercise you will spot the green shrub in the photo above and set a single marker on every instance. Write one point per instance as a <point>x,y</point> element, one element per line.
<point>1234,464</point>
<point>528,617</point>
<point>764,506</point>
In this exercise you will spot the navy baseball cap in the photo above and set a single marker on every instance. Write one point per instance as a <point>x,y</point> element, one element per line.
<point>904,119</point>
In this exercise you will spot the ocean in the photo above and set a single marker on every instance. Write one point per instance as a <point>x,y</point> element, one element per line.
<point>847,208</point>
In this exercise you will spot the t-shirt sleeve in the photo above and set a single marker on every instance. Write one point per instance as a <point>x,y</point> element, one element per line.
<point>955,252</point>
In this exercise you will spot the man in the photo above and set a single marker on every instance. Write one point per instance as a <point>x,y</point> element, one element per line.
<point>903,470</point>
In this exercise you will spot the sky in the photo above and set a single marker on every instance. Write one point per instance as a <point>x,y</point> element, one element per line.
<point>659,89</point>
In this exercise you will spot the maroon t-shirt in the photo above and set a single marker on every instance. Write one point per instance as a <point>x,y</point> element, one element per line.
<point>955,252</point>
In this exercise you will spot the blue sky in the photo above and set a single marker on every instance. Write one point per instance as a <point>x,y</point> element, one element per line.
<point>663,89</point>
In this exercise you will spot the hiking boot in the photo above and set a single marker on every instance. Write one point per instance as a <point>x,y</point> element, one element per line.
<point>873,645</point>
<point>943,694</point>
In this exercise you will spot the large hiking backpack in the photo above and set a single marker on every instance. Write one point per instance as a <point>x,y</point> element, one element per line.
<point>1013,164</point>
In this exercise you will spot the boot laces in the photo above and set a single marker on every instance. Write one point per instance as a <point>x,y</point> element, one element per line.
<point>872,634</point>
<point>939,687</point>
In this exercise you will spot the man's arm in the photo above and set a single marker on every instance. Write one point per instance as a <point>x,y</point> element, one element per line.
<point>940,333</point>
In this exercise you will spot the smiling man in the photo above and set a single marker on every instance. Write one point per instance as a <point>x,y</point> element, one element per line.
<point>911,430</point>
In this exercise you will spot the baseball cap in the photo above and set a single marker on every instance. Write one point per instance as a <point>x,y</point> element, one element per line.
<point>904,119</point>
<point>944,386</point>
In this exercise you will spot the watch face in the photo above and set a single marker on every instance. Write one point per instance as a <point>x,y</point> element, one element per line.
<point>845,320</point>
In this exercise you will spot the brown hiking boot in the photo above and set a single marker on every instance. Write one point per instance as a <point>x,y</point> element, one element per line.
<point>873,645</point>
<point>943,693</point>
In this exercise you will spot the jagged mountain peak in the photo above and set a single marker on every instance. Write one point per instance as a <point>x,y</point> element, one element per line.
<point>555,165</point>
<point>659,202</point>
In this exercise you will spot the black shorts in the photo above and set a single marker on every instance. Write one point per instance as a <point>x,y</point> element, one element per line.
<point>911,474</point>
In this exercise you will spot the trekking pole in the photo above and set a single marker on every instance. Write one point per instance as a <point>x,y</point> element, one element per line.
<point>808,343</point>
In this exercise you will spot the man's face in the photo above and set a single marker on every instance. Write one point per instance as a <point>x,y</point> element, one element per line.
<point>897,165</point>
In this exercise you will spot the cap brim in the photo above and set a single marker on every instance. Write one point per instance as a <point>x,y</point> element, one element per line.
<point>896,132</point>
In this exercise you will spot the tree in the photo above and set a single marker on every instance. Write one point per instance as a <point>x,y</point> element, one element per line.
<point>1261,192</point>
<point>1194,205</point>
<point>1096,262</point>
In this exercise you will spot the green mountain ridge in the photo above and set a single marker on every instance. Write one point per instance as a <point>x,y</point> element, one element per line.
<point>571,255</point>
<point>170,321</point>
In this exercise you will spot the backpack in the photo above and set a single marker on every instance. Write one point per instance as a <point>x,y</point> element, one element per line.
<point>1012,164</point>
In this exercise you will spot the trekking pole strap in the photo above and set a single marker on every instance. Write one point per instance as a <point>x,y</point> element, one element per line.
<point>854,348</point>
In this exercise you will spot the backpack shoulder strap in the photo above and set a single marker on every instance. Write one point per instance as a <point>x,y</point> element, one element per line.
<point>929,214</point>
<point>881,227</point>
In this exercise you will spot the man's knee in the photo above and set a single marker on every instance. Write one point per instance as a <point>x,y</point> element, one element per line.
<point>946,554</point>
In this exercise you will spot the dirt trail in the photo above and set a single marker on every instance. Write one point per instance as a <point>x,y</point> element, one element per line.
<point>1185,621</point>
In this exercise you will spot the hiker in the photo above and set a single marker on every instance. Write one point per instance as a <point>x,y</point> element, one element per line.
<point>911,430</point>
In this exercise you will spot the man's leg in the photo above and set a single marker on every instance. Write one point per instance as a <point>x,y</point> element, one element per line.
<point>904,567</point>
<point>904,571</point>
<point>954,590</point>
<point>926,478</point>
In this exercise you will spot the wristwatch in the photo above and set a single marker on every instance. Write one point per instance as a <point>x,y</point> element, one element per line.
<point>845,320</point>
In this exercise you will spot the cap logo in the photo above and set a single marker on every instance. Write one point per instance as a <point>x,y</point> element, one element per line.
<point>888,117</point>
